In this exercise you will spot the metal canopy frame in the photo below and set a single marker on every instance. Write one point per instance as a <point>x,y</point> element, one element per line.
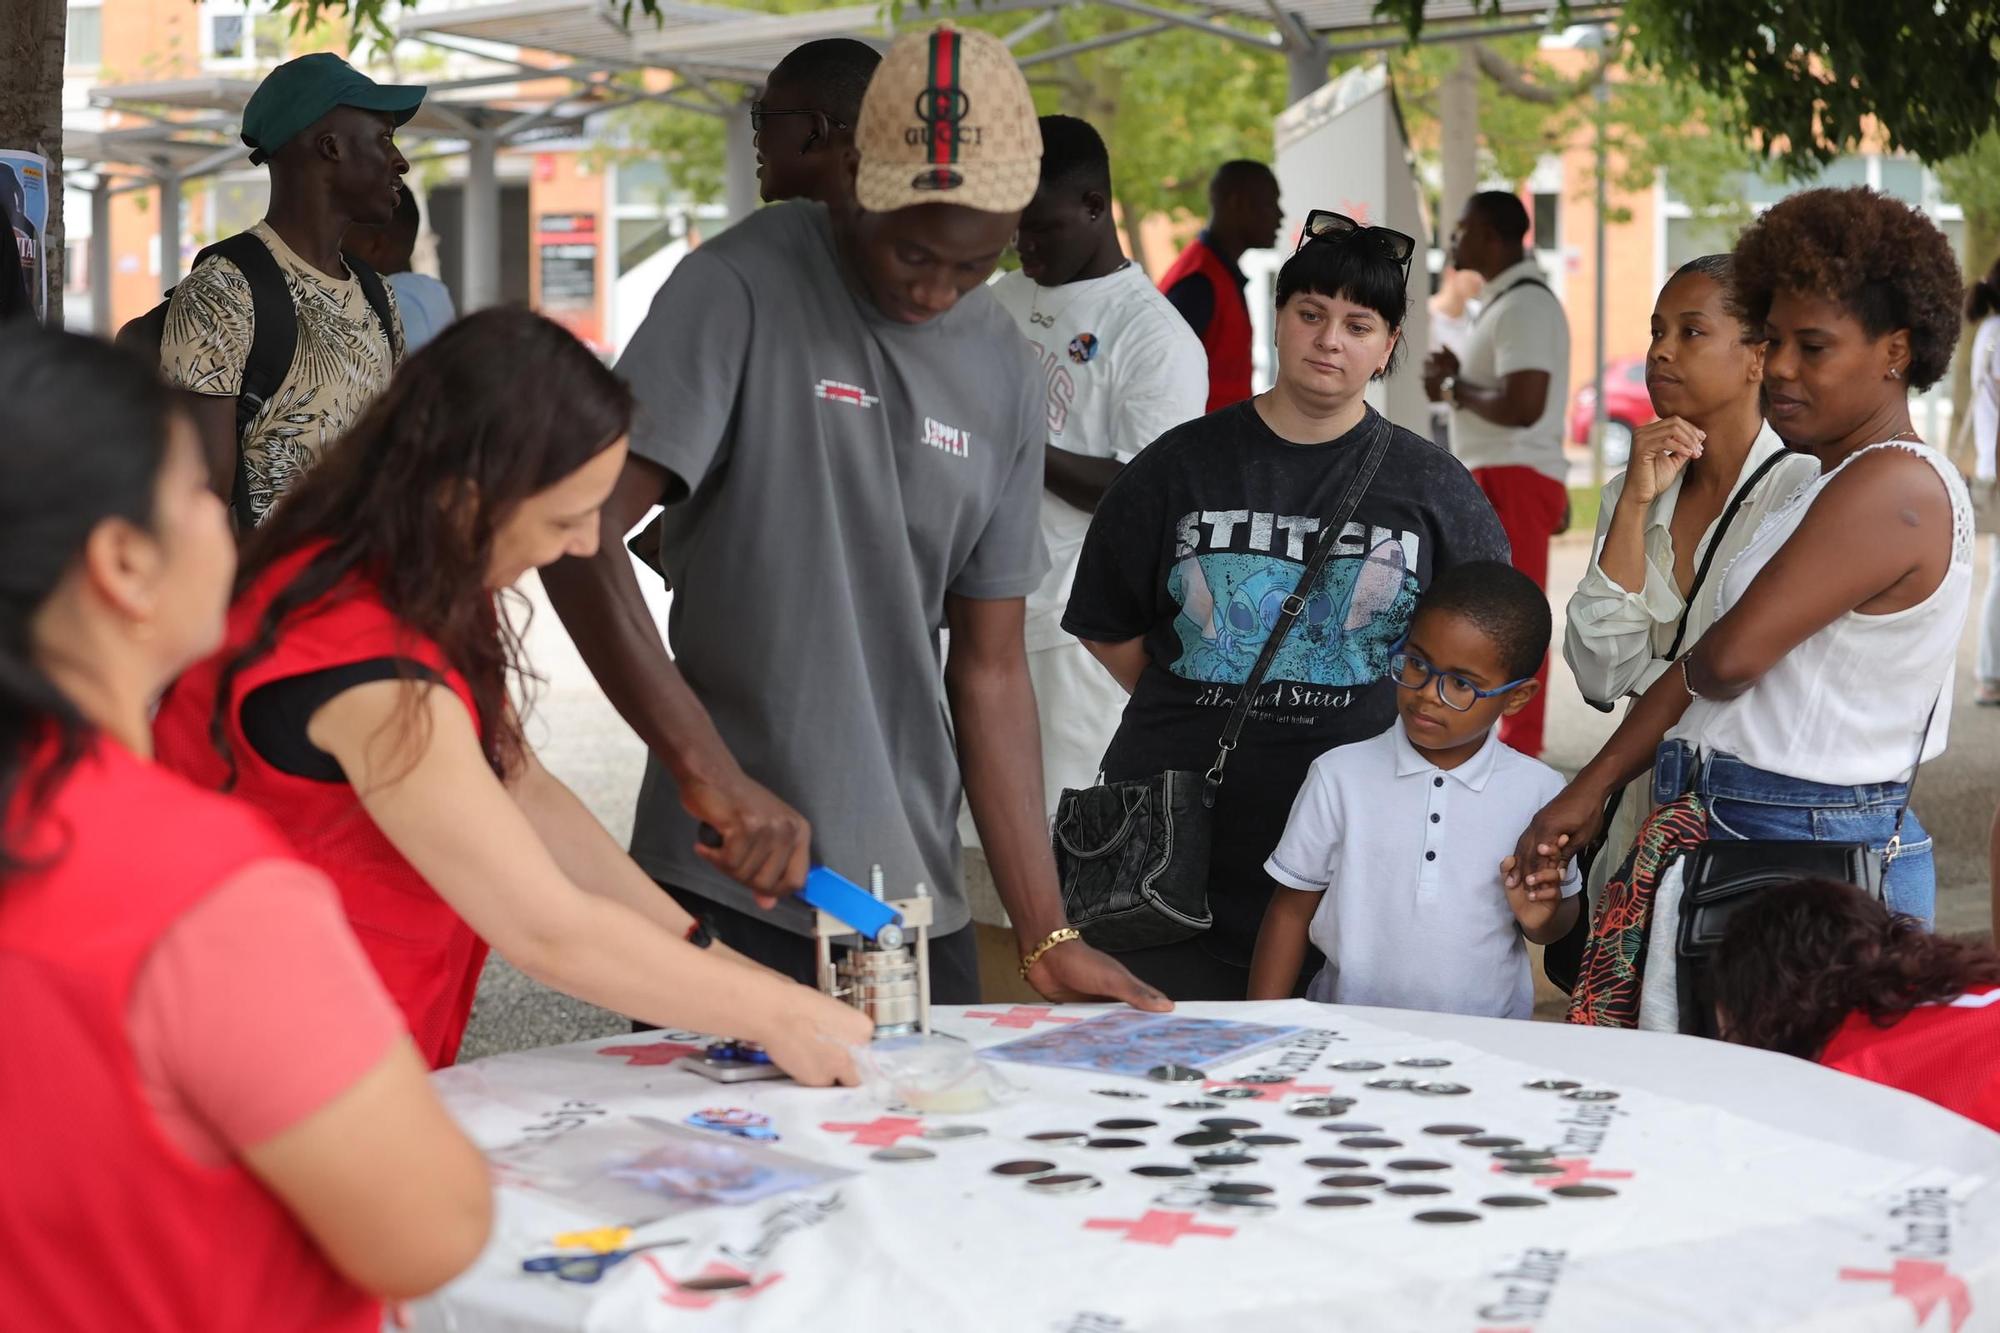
<point>718,58</point>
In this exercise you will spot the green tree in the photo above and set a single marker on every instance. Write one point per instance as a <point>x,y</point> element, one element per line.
<point>1802,80</point>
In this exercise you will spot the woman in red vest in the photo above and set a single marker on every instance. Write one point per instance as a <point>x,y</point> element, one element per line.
<point>212,1118</point>
<point>1824,972</point>
<point>361,699</point>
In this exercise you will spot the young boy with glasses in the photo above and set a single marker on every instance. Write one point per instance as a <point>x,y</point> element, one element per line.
<point>1390,863</point>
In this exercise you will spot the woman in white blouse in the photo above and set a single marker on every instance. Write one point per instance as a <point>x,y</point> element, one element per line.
<point>1801,714</point>
<point>1709,463</point>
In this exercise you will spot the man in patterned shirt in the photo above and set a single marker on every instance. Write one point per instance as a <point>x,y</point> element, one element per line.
<point>327,132</point>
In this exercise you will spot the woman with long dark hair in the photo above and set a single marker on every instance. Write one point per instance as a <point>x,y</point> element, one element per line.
<point>211,1117</point>
<point>1824,972</point>
<point>1803,712</point>
<point>1203,537</point>
<point>362,699</point>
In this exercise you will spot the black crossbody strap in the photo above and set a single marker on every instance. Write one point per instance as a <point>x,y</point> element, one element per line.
<point>1295,604</point>
<point>1895,847</point>
<point>1715,544</point>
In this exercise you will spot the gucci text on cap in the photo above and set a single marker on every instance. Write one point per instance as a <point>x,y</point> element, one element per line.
<point>948,120</point>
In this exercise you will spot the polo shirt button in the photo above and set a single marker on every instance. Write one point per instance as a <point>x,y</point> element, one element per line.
<point>1436,818</point>
<point>1437,782</point>
<point>1430,856</point>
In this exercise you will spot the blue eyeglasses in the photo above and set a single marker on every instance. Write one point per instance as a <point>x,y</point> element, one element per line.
<point>1454,691</point>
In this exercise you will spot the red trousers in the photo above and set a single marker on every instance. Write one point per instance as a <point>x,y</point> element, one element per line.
<point>1530,507</point>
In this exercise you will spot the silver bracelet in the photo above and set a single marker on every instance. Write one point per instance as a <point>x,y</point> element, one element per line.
<point>1687,683</point>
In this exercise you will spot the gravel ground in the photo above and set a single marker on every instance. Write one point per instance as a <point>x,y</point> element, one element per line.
<point>583,741</point>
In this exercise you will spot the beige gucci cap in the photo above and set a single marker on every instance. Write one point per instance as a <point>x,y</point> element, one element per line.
<point>948,120</point>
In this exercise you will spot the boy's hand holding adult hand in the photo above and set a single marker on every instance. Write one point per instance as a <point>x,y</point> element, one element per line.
<point>1561,829</point>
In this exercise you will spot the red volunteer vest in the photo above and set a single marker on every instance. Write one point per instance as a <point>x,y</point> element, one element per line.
<point>1947,1053</point>
<point>426,955</point>
<point>1227,337</point>
<point>104,1224</point>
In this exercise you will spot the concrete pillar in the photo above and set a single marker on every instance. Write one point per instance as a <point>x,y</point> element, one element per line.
<point>100,258</point>
<point>480,280</point>
<point>739,164</point>
<point>170,229</point>
<point>1306,66</point>
<point>1458,135</point>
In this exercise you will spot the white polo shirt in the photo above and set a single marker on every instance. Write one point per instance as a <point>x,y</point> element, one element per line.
<point>1408,857</point>
<point>1524,330</point>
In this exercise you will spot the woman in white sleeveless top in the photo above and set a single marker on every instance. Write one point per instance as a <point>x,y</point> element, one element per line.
<point>1705,475</point>
<point>1798,715</point>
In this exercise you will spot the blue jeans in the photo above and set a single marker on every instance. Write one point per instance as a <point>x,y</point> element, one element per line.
<point>1745,803</point>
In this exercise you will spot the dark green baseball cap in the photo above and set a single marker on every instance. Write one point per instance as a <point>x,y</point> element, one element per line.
<point>299,92</point>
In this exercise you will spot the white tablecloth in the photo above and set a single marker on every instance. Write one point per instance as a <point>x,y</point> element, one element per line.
<point>1753,1191</point>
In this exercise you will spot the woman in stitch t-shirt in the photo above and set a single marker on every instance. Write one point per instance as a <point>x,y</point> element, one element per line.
<point>1203,536</point>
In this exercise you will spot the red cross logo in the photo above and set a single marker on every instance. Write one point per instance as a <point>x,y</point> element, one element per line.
<point>1157,1227</point>
<point>1022,1016</point>
<point>881,1132</point>
<point>1923,1284</point>
<point>1575,1170</point>
<point>652,1053</point>
<point>697,1299</point>
<point>1269,1092</point>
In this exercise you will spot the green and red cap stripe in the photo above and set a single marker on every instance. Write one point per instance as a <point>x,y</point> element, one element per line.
<point>945,97</point>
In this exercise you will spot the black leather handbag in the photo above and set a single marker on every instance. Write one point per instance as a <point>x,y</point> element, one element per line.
<point>1133,856</point>
<point>1722,875</point>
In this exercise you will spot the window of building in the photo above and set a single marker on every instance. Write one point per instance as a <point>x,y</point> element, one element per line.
<point>84,37</point>
<point>234,33</point>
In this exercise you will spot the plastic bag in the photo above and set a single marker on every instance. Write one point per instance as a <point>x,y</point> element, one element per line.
<point>933,1074</point>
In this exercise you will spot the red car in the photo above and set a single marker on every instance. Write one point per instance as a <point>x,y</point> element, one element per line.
<point>1627,406</point>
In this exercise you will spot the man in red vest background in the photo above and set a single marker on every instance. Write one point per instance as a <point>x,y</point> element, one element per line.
<point>1205,284</point>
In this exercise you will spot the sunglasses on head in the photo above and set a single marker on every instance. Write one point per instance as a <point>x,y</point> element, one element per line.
<point>1323,224</point>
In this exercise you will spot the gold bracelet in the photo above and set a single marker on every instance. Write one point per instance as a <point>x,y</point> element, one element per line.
<point>1063,936</point>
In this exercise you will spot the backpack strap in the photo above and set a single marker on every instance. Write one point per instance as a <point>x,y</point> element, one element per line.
<point>1525,282</point>
<point>274,338</point>
<point>377,293</point>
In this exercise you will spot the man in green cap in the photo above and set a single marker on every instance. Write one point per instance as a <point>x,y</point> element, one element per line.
<point>327,133</point>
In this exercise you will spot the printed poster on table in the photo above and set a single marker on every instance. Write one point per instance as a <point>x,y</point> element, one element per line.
<point>24,216</point>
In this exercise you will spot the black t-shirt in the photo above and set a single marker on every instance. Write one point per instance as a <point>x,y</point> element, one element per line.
<point>1197,543</point>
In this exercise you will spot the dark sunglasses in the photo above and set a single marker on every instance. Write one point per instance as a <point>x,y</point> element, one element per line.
<point>823,124</point>
<point>1323,224</point>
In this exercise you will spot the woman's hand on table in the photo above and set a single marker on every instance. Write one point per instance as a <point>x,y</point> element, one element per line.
<point>1075,973</point>
<point>813,1040</point>
<point>1561,829</point>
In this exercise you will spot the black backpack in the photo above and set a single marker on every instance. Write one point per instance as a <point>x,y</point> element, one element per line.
<point>273,340</point>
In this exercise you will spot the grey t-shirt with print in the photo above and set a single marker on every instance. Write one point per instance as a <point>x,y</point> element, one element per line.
<point>835,475</point>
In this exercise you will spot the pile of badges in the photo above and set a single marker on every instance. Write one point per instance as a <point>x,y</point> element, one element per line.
<point>1372,1167</point>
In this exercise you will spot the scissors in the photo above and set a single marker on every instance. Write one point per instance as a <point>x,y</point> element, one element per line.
<point>590,1267</point>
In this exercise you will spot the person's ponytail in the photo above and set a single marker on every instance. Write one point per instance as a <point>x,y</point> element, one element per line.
<point>85,428</point>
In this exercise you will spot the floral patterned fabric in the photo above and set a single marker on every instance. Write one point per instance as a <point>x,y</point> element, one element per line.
<point>342,361</point>
<point>1614,957</point>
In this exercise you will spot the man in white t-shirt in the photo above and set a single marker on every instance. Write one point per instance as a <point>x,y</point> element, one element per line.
<point>1507,393</point>
<point>1123,367</point>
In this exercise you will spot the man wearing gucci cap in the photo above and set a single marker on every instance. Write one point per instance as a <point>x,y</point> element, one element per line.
<point>327,132</point>
<point>847,433</point>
